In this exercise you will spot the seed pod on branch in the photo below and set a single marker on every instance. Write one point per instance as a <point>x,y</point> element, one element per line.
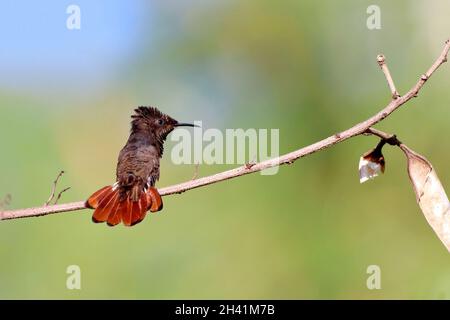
<point>430,194</point>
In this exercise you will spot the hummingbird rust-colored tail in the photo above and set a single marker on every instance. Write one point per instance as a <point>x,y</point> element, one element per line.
<point>113,207</point>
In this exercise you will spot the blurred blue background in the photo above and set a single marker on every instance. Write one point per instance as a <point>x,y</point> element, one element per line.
<point>304,67</point>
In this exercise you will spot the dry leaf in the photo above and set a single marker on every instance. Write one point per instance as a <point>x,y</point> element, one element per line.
<point>430,194</point>
<point>371,164</point>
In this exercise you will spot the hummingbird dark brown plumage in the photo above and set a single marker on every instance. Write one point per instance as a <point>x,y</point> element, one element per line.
<point>134,192</point>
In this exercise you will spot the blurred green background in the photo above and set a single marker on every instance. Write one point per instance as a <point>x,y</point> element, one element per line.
<point>305,67</point>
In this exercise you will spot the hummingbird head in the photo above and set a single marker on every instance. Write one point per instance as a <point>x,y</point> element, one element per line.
<point>153,122</point>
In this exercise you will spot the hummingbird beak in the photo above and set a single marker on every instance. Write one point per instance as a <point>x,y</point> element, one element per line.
<point>181,124</point>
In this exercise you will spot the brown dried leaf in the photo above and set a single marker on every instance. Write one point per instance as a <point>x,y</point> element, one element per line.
<point>430,194</point>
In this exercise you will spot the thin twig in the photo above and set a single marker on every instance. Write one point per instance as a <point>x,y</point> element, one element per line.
<point>195,176</point>
<point>386,137</point>
<point>382,63</point>
<point>288,158</point>
<point>6,201</point>
<point>60,194</point>
<point>251,163</point>
<point>55,183</point>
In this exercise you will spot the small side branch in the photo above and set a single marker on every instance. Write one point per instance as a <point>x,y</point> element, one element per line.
<point>382,63</point>
<point>5,201</point>
<point>195,176</point>
<point>55,184</point>
<point>60,194</point>
<point>386,137</point>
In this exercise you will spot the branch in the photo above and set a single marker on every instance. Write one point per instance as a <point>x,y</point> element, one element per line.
<point>60,194</point>
<point>5,202</point>
<point>386,137</point>
<point>52,194</point>
<point>289,158</point>
<point>382,63</point>
<point>195,176</point>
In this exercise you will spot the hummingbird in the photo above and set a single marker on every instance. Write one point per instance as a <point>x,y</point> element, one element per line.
<point>134,192</point>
